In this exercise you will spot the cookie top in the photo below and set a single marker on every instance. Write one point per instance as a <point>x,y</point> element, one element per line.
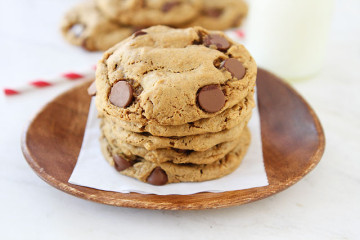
<point>150,12</point>
<point>84,25</point>
<point>173,76</point>
<point>220,15</point>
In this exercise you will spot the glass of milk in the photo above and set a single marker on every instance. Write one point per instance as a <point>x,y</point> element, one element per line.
<point>289,37</point>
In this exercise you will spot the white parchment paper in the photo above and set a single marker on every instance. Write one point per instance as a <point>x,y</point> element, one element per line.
<point>92,170</point>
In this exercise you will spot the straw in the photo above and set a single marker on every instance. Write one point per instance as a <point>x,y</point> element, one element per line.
<point>47,82</point>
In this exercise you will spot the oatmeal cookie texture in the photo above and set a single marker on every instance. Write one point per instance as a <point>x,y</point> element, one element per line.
<point>174,104</point>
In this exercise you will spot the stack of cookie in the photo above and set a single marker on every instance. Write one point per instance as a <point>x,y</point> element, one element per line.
<point>99,24</point>
<point>174,104</point>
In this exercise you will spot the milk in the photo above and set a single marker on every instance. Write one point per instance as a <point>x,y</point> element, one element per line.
<point>288,37</point>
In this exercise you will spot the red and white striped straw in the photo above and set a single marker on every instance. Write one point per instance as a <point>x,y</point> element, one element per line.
<point>43,83</point>
<point>235,34</point>
<point>240,33</point>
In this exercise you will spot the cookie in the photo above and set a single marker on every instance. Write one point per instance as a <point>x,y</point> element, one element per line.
<point>227,119</point>
<point>201,142</point>
<point>174,155</point>
<point>220,15</point>
<point>168,172</point>
<point>84,25</point>
<point>150,12</point>
<point>163,79</point>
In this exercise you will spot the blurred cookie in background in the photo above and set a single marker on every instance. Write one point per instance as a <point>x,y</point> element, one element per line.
<point>151,12</point>
<point>97,25</point>
<point>220,15</point>
<point>84,25</point>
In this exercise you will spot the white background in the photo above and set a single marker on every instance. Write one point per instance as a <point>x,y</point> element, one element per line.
<point>324,205</point>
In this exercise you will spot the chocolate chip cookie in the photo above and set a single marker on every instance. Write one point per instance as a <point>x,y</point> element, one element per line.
<point>84,25</point>
<point>174,155</point>
<point>227,119</point>
<point>200,142</point>
<point>220,15</point>
<point>150,12</point>
<point>174,104</point>
<point>168,172</point>
<point>173,76</point>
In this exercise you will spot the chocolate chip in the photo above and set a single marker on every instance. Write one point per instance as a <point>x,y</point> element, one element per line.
<point>217,40</point>
<point>169,5</point>
<point>210,98</point>
<point>139,33</point>
<point>157,177</point>
<point>92,89</point>
<point>121,163</point>
<point>235,67</point>
<point>77,29</point>
<point>212,12</point>
<point>121,94</point>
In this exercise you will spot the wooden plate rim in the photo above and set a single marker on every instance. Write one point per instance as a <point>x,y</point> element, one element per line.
<point>229,198</point>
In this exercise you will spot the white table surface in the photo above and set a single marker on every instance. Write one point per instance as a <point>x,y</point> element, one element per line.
<point>324,205</point>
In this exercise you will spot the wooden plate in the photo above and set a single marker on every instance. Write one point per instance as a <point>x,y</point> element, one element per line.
<point>293,143</point>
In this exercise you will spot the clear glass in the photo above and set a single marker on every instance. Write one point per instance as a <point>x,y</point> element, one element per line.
<point>289,37</point>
